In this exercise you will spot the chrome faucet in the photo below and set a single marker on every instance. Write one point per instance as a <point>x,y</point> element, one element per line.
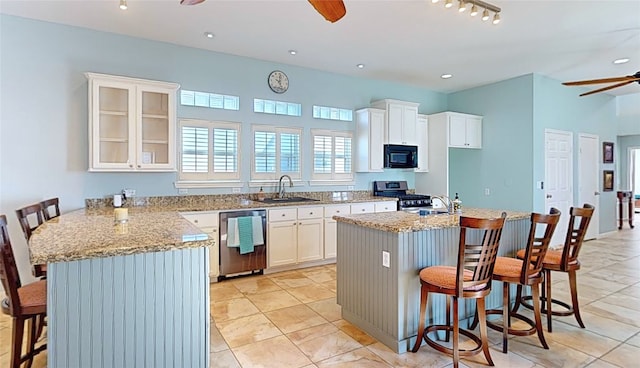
<point>281,186</point>
<point>442,199</point>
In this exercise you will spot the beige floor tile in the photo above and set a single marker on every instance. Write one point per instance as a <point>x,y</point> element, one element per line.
<point>601,325</point>
<point>330,285</point>
<point>633,290</point>
<point>425,357</point>
<point>323,347</point>
<point>360,358</point>
<point>232,309</point>
<point>622,300</point>
<point>558,355</point>
<point>223,291</point>
<point>581,339</point>
<point>277,352</point>
<point>327,308</point>
<point>621,314</point>
<point>635,340</point>
<point>217,342</point>
<point>292,280</point>
<point>223,359</point>
<point>624,355</point>
<point>602,364</point>
<point>320,275</point>
<point>302,336</point>
<point>256,285</point>
<point>247,330</point>
<point>354,332</point>
<point>307,294</point>
<point>295,318</point>
<point>267,302</point>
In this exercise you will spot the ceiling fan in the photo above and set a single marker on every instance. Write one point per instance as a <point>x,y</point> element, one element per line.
<point>621,81</point>
<point>331,10</point>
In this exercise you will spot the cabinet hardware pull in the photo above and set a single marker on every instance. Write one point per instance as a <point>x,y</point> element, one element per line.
<point>283,215</point>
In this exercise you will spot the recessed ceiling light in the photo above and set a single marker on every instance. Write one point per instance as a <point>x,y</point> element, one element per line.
<point>446,76</point>
<point>621,61</point>
<point>293,52</point>
<point>123,4</point>
<point>360,66</point>
<point>209,35</point>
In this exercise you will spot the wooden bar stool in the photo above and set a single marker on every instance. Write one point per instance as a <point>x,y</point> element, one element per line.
<point>26,216</point>
<point>471,278</point>
<point>49,205</point>
<point>525,272</point>
<point>562,260</point>
<point>24,303</point>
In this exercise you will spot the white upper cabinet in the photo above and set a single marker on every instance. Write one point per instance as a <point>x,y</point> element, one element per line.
<point>369,140</point>
<point>400,123</point>
<point>465,131</point>
<point>131,124</point>
<point>422,137</point>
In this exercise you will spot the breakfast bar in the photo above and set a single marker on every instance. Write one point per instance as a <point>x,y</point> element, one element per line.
<point>380,256</point>
<point>133,293</point>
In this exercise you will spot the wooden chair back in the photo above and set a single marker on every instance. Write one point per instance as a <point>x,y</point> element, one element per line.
<point>578,224</point>
<point>8,269</point>
<point>48,206</point>
<point>24,214</point>
<point>478,258</point>
<point>537,246</point>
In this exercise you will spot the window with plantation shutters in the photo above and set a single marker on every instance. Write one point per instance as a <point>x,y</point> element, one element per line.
<point>332,155</point>
<point>209,150</point>
<point>276,152</point>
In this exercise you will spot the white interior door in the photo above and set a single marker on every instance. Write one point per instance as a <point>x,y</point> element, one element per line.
<point>588,190</point>
<point>559,178</point>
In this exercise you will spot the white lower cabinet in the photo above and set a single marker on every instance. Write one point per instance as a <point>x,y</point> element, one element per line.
<point>295,235</point>
<point>208,222</point>
<point>386,206</point>
<point>331,228</point>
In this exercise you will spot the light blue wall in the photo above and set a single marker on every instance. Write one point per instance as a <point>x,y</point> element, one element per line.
<point>504,163</point>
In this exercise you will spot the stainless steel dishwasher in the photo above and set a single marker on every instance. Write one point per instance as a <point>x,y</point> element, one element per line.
<point>232,263</point>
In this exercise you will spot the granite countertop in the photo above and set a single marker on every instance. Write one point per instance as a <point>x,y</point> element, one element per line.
<point>400,221</point>
<point>86,234</point>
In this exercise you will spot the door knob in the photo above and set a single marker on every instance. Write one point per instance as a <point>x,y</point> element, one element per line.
<point>549,196</point>
<point>596,193</point>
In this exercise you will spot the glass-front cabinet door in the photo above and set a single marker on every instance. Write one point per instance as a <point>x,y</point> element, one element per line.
<point>131,124</point>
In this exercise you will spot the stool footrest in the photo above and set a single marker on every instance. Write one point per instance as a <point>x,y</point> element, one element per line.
<point>449,329</point>
<point>525,302</point>
<point>517,332</point>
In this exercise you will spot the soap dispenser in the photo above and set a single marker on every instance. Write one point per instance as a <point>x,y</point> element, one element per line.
<point>261,195</point>
<point>457,204</point>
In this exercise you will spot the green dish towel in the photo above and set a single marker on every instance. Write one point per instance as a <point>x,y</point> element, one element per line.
<point>245,230</point>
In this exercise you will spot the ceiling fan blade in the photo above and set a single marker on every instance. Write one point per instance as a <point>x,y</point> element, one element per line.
<point>190,2</point>
<point>609,87</point>
<point>331,10</point>
<point>597,81</point>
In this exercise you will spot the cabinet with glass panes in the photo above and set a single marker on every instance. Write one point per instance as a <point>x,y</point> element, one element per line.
<point>131,124</point>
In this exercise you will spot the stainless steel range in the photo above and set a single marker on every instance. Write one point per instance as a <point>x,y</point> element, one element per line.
<point>398,189</point>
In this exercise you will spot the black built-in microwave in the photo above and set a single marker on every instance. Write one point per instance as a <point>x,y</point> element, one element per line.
<point>398,156</point>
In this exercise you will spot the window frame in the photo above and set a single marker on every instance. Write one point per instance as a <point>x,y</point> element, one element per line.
<point>209,176</point>
<point>267,177</point>
<point>332,176</point>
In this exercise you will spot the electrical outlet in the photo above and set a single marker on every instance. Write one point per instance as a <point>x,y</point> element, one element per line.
<point>129,193</point>
<point>183,191</point>
<point>487,191</point>
<point>386,259</point>
<point>236,190</point>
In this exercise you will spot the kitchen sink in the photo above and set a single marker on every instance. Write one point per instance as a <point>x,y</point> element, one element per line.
<point>289,200</point>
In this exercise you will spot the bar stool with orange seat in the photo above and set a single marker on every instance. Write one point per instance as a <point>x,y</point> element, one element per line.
<point>471,279</point>
<point>49,205</point>
<point>24,303</point>
<point>26,216</point>
<point>525,272</point>
<point>562,260</point>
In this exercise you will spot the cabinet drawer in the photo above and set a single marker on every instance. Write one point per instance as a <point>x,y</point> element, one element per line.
<point>386,206</point>
<point>202,219</point>
<point>283,214</point>
<point>309,213</point>
<point>369,207</point>
<point>337,209</point>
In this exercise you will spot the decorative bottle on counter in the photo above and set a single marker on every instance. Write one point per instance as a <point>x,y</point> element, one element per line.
<point>261,195</point>
<point>457,204</point>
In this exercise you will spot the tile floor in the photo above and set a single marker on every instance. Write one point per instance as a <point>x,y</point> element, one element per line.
<point>291,319</point>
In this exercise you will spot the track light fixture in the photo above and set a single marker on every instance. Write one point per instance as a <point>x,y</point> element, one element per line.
<point>475,5</point>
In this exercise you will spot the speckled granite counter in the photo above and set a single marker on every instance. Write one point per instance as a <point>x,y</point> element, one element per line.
<point>405,222</point>
<point>86,234</point>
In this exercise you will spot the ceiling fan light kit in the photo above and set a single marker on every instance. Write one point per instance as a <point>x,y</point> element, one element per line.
<point>475,4</point>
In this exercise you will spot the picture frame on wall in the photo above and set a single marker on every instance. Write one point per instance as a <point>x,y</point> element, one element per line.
<point>607,180</point>
<point>607,152</point>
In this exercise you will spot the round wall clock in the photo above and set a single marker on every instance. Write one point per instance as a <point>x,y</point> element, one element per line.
<point>278,81</point>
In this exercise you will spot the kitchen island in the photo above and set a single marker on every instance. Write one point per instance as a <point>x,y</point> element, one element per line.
<point>380,256</point>
<point>132,294</point>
